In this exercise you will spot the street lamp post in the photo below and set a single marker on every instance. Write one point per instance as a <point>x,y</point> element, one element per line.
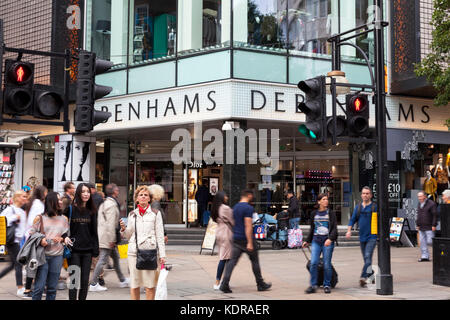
<point>384,277</point>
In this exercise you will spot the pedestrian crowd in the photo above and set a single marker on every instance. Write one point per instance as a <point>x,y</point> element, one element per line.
<point>80,230</point>
<point>58,238</point>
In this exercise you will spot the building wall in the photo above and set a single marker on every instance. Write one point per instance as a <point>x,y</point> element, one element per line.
<point>28,24</point>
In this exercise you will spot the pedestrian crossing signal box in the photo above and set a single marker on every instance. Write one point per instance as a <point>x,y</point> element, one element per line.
<point>2,235</point>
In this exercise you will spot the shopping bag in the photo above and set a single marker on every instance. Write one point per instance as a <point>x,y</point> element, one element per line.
<point>161,287</point>
<point>295,238</point>
<point>123,250</point>
<point>260,231</point>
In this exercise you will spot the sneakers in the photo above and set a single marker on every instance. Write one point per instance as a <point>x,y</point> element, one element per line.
<point>423,259</point>
<point>20,291</point>
<point>362,282</point>
<point>97,288</point>
<point>27,295</point>
<point>327,290</point>
<point>125,283</point>
<point>101,281</point>
<point>264,286</point>
<point>225,288</point>
<point>216,286</point>
<point>311,290</point>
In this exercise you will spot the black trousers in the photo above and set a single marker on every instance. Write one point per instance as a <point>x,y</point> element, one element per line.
<point>13,251</point>
<point>83,260</point>
<point>239,247</point>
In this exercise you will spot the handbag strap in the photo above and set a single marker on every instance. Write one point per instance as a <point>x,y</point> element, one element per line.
<point>135,225</point>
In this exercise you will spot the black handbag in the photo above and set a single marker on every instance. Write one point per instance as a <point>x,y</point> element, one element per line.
<point>145,259</point>
<point>11,232</point>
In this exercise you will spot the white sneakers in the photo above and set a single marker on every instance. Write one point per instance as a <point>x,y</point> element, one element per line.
<point>20,291</point>
<point>125,283</point>
<point>216,286</point>
<point>97,288</point>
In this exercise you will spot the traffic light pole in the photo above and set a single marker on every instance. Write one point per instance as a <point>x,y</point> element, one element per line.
<point>385,279</point>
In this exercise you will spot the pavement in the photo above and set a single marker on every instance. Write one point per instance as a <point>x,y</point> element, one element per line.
<point>193,275</point>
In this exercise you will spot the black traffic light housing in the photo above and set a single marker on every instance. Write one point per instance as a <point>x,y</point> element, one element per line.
<point>86,117</point>
<point>358,111</point>
<point>18,90</point>
<point>48,102</point>
<point>314,107</point>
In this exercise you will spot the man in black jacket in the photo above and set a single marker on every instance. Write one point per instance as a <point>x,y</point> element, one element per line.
<point>293,210</point>
<point>426,224</point>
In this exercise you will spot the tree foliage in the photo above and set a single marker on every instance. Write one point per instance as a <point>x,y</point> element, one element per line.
<point>436,65</point>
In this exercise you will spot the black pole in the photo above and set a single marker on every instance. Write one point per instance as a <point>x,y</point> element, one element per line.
<point>385,280</point>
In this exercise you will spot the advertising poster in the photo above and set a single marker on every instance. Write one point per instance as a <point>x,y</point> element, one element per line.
<point>395,231</point>
<point>209,239</point>
<point>213,186</point>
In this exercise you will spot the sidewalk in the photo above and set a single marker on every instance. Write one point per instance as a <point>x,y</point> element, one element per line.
<point>193,275</point>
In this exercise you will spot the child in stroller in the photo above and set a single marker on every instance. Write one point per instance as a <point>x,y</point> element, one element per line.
<point>277,226</point>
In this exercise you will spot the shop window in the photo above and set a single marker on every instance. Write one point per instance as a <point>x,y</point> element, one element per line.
<point>309,24</point>
<point>258,24</point>
<point>106,33</point>
<point>203,25</point>
<point>152,30</point>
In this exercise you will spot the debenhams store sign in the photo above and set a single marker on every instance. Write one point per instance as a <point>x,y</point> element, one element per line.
<point>246,100</point>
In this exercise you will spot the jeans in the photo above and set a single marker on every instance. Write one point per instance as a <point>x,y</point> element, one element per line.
<point>13,251</point>
<point>425,241</point>
<point>220,269</point>
<point>103,260</point>
<point>48,275</point>
<point>367,249</point>
<point>293,223</point>
<point>240,246</point>
<point>316,250</point>
<point>83,260</point>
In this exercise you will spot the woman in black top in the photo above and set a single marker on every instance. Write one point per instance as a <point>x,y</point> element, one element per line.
<point>83,232</point>
<point>322,235</point>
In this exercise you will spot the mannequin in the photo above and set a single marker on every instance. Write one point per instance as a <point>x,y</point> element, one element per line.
<point>430,186</point>
<point>442,174</point>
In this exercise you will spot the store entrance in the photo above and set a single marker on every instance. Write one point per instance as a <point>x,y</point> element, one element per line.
<point>202,182</point>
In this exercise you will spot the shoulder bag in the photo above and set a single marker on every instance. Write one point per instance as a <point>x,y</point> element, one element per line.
<point>67,253</point>
<point>11,231</point>
<point>145,259</point>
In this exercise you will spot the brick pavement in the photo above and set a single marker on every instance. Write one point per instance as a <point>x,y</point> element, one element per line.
<point>193,275</point>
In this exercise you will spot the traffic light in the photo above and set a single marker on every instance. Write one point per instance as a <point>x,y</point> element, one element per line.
<point>341,126</point>
<point>47,103</point>
<point>357,107</point>
<point>86,117</point>
<point>18,90</point>
<point>314,107</point>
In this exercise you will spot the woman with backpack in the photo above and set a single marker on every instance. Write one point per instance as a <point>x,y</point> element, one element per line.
<point>223,216</point>
<point>55,227</point>
<point>15,218</point>
<point>322,235</point>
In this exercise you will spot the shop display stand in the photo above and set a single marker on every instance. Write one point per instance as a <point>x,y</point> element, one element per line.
<point>6,185</point>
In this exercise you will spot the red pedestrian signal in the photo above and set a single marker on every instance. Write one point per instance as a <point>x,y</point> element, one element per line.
<point>357,115</point>
<point>20,72</point>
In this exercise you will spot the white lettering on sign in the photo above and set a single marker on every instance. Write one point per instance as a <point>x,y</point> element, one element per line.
<point>74,21</point>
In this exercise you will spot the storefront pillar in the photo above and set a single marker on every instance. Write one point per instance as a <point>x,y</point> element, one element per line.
<point>234,174</point>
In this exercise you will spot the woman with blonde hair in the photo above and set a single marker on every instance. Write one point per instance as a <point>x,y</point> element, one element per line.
<point>157,193</point>
<point>144,231</point>
<point>15,215</point>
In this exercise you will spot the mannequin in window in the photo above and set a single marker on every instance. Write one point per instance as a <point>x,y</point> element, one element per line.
<point>430,186</point>
<point>442,175</point>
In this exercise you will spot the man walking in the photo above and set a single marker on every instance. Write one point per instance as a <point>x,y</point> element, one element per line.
<point>96,197</point>
<point>69,193</point>
<point>426,224</point>
<point>293,209</point>
<point>243,241</point>
<point>365,215</point>
<point>107,224</point>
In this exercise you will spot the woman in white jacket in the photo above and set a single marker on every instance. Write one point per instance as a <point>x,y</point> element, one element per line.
<point>150,235</point>
<point>15,214</point>
<point>34,208</point>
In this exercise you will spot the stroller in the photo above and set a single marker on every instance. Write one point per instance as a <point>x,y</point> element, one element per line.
<point>267,228</point>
